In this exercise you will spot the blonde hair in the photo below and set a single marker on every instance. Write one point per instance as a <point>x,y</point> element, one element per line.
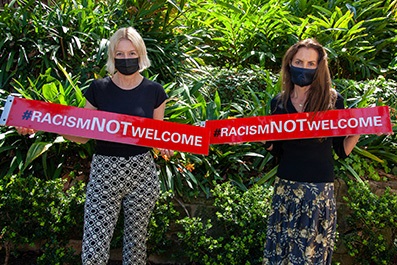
<point>321,96</point>
<point>132,35</point>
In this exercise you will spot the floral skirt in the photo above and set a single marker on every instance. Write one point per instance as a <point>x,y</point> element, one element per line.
<point>302,224</point>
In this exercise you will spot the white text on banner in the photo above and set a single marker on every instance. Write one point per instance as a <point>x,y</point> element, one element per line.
<point>106,126</point>
<point>301,125</point>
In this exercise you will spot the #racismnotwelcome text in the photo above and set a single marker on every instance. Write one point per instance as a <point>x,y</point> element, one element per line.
<point>112,126</point>
<point>298,125</point>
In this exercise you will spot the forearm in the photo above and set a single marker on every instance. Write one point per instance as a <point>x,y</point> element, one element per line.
<point>350,142</point>
<point>76,139</point>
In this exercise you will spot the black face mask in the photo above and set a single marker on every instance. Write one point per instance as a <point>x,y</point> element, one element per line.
<point>127,66</point>
<point>302,76</point>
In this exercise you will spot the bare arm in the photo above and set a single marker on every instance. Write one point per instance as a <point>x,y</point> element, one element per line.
<point>158,114</point>
<point>350,142</point>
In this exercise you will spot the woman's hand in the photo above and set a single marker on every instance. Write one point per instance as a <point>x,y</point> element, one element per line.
<point>166,152</point>
<point>25,131</point>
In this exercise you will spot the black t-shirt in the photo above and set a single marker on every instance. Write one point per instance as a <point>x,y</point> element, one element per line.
<point>306,160</point>
<point>140,101</point>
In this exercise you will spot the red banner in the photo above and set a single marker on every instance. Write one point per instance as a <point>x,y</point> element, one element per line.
<point>127,129</point>
<point>301,125</point>
<point>106,126</point>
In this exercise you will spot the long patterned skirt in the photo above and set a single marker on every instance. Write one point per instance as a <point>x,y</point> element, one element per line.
<point>302,224</point>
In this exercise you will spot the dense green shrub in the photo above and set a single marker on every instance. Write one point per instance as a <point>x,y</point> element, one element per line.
<point>39,212</point>
<point>241,33</point>
<point>373,221</point>
<point>207,96</point>
<point>373,152</point>
<point>236,86</point>
<point>237,233</point>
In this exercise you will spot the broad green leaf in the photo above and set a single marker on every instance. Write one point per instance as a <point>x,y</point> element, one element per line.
<point>35,150</point>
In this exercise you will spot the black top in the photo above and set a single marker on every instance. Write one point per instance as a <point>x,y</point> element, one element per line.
<point>306,160</point>
<point>140,101</point>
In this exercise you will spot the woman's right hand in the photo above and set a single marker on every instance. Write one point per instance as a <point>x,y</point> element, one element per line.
<point>25,131</point>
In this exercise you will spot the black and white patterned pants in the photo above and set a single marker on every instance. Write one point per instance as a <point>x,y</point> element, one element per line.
<point>115,181</point>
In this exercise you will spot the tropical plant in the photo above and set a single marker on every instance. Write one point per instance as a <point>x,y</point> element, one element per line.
<point>240,33</point>
<point>378,151</point>
<point>193,101</point>
<point>36,36</point>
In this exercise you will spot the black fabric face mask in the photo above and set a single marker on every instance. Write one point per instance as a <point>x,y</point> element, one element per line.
<point>302,76</point>
<point>127,66</point>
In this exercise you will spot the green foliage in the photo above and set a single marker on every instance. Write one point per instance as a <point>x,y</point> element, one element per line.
<point>373,220</point>
<point>237,236</point>
<point>36,216</point>
<point>240,32</point>
<point>35,172</point>
<point>216,59</point>
<point>375,92</point>
<point>361,168</point>
<point>208,96</point>
<point>161,221</point>
<point>27,149</point>
<point>235,86</point>
<point>351,32</point>
<point>48,88</point>
<point>36,36</point>
<point>359,36</point>
<point>373,151</point>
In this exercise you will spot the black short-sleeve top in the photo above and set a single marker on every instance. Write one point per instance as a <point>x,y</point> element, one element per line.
<point>140,101</point>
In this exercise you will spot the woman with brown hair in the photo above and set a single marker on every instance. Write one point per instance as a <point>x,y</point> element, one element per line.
<point>302,223</point>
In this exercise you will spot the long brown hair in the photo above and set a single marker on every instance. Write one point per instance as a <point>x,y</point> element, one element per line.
<point>320,96</point>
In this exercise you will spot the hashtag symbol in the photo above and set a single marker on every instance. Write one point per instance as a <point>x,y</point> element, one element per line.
<point>27,115</point>
<point>217,132</point>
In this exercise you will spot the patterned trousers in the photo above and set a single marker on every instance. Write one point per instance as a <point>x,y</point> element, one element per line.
<point>115,181</point>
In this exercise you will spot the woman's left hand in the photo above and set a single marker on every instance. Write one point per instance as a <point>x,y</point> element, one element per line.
<point>166,152</point>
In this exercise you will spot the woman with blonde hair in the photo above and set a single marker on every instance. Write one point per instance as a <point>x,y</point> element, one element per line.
<point>122,175</point>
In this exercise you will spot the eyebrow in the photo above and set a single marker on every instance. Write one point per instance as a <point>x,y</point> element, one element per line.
<point>117,51</point>
<point>297,59</point>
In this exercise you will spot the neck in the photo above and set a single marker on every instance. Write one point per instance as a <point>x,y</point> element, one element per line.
<point>127,81</point>
<point>299,93</point>
<point>298,98</point>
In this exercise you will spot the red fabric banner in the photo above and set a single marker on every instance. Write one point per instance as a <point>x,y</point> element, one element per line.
<point>106,126</point>
<point>127,129</point>
<point>301,125</point>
